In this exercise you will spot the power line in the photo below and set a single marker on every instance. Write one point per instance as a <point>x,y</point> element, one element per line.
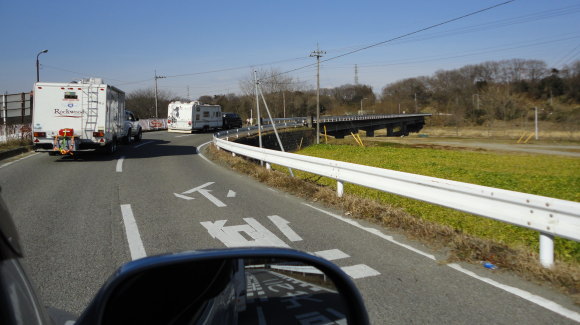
<point>234,68</point>
<point>485,26</point>
<point>419,31</point>
<point>482,51</point>
<point>400,37</point>
<point>499,23</point>
<point>568,56</point>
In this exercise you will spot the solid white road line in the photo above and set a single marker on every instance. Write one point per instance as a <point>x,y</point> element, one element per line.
<point>202,156</point>
<point>15,161</point>
<point>132,231</point>
<point>373,231</point>
<point>548,304</point>
<point>540,301</point>
<point>120,164</point>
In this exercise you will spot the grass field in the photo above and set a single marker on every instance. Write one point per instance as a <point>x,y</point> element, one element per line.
<point>551,176</point>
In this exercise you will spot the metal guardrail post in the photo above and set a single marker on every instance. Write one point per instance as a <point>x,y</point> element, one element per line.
<point>546,250</point>
<point>339,188</point>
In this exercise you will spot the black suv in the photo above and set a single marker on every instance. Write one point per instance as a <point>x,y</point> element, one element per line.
<point>231,120</point>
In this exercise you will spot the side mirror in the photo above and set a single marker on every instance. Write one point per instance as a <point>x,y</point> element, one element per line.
<point>228,286</point>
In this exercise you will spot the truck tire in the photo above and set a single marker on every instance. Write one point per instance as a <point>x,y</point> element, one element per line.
<point>112,147</point>
<point>138,136</point>
<point>127,139</point>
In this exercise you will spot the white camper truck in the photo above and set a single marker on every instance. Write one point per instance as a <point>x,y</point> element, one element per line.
<point>186,117</point>
<point>78,116</point>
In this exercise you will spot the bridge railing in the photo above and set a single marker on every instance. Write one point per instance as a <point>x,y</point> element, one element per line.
<point>549,216</point>
<point>339,118</point>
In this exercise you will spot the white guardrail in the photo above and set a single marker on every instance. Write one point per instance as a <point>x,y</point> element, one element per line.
<point>551,217</point>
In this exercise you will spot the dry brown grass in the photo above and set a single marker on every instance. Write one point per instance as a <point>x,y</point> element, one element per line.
<point>461,247</point>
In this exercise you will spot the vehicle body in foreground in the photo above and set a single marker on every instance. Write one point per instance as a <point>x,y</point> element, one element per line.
<point>83,115</point>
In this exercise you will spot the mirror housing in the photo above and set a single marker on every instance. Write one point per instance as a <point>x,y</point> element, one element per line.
<point>180,287</point>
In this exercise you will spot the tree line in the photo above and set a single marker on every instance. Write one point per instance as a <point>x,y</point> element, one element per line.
<point>496,90</point>
<point>474,94</point>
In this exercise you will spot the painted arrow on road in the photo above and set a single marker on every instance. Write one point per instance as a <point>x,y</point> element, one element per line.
<point>201,189</point>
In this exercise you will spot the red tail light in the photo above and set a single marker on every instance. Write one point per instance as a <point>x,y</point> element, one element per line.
<point>98,134</point>
<point>40,134</point>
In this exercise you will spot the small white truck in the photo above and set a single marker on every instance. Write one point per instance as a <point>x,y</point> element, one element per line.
<point>132,130</point>
<point>84,115</point>
<point>186,117</point>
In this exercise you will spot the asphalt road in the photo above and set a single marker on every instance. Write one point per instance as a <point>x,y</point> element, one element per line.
<point>71,217</point>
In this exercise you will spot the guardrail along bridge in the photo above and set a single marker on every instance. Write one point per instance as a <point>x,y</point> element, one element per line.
<point>339,126</point>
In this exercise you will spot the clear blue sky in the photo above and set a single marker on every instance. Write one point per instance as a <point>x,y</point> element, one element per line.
<point>124,42</point>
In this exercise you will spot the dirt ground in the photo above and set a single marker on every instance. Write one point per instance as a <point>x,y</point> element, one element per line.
<point>548,147</point>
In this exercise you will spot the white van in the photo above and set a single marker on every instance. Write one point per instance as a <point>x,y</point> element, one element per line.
<point>186,117</point>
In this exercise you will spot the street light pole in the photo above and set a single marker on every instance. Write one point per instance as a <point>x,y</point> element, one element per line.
<point>38,65</point>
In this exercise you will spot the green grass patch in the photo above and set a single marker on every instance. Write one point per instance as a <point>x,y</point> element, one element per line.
<point>545,175</point>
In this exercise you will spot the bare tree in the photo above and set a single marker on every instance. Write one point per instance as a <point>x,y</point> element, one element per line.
<point>279,90</point>
<point>142,102</point>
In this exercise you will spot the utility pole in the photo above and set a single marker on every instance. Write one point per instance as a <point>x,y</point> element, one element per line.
<point>156,77</point>
<point>361,108</point>
<point>317,54</point>
<point>284,102</point>
<point>258,110</point>
<point>536,121</point>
